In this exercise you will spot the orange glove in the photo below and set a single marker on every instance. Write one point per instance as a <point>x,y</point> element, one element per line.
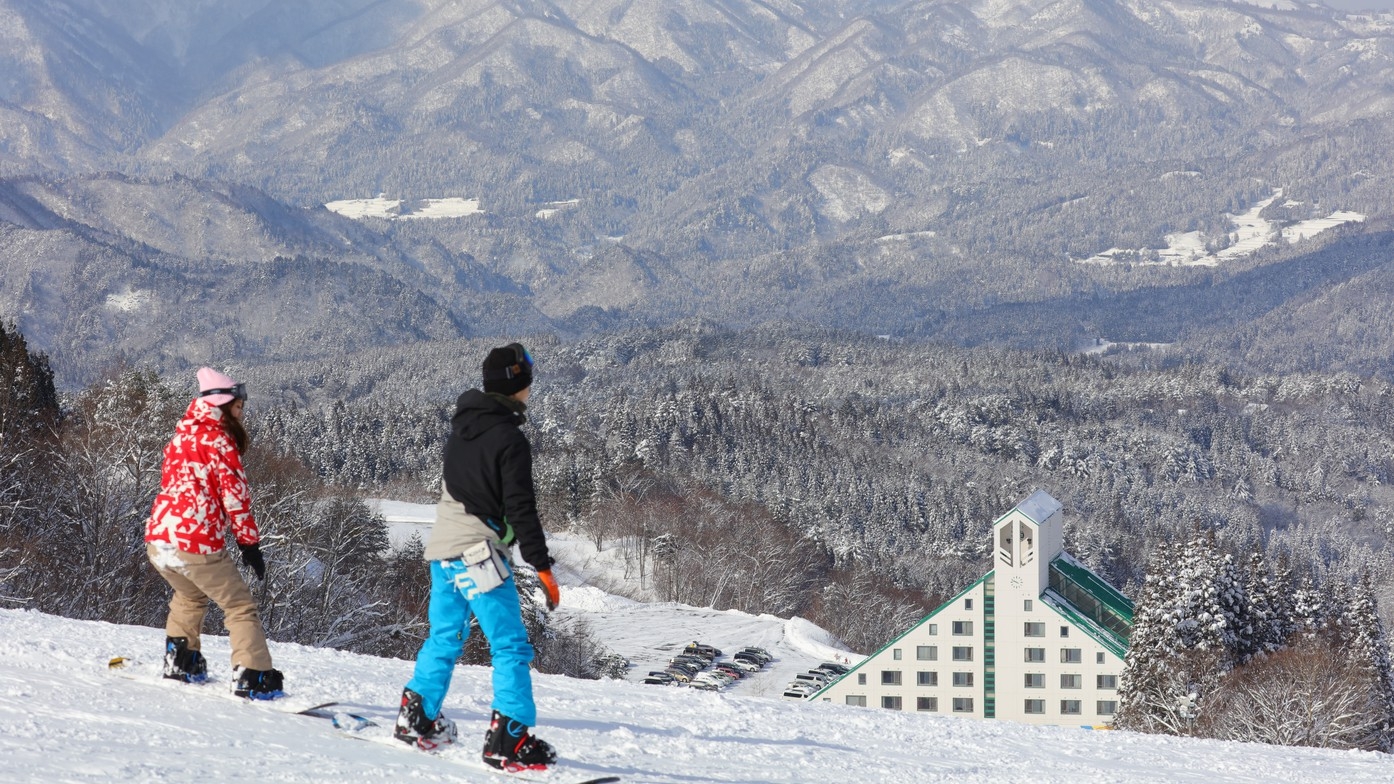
<point>549,585</point>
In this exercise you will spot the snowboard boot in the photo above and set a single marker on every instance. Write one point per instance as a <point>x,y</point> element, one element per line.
<point>259,684</point>
<point>413,727</point>
<point>509,747</point>
<point>182,663</point>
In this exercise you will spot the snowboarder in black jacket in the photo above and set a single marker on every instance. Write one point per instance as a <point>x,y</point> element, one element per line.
<point>487,502</point>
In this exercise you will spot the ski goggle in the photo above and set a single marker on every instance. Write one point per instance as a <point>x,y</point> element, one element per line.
<point>238,392</point>
<point>522,365</point>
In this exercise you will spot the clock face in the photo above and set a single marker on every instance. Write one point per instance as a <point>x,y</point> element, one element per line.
<point>1016,582</point>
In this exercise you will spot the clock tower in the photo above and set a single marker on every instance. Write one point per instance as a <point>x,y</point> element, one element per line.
<point>1026,540</point>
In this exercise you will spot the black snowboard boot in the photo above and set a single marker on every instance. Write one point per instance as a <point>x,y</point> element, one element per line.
<point>259,684</point>
<point>509,747</point>
<point>183,664</point>
<point>413,727</point>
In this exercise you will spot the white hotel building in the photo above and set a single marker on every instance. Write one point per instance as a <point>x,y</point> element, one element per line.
<point>1038,639</point>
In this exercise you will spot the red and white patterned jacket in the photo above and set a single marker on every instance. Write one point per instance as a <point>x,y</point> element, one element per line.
<point>203,488</point>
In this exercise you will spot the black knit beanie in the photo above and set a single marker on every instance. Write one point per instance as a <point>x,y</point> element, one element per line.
<point>508,370</point>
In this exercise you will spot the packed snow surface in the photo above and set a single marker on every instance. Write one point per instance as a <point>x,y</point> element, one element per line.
<point>64,716</point>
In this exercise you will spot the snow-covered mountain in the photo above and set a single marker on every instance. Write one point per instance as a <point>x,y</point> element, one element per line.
<point>867,164</point>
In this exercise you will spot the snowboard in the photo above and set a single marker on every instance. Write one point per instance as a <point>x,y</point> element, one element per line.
<point>361,728</point>
<point>134,670</point>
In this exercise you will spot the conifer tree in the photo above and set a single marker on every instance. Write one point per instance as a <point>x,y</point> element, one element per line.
<point>1367,648</point>
<point>1268,627</point>
<point>1188,631</point>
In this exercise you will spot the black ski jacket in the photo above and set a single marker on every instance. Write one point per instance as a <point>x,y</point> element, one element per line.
<point>488,468</point>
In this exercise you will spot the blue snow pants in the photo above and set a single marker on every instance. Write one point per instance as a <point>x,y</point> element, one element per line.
<point>500,618</point>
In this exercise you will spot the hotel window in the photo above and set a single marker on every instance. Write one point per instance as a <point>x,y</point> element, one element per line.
<point>895,654</point>
<point>1099,657</point>
<point>1035,629</point>
<point>1069,707</point>
<point>1107,707</point>
<point>858,700</point>
<point>933,629</point>
<point>963,704</point>
<point>1071,682</point>
<point>861,679</point>
<point>963,679</point>
<point>963,653</point>
<point>927,652</point>
<point>967,604</point>
<point>890,703</point>
<point>963,628</point>
<point>926,679</point>
<point>1035,680</point>
<point>1071,656</point>
<point>1064,631</point>
<point>927,703</point>
<point>1035,654</point>
<point>1026,605</point>
<point>1108,681</point>
<point>890,677</point>
<point>1035,706</point>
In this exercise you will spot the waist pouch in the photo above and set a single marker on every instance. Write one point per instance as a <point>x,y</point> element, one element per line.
<point>479,570</point>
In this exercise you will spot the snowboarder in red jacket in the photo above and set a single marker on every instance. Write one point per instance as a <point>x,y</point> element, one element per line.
<point>203,494</point>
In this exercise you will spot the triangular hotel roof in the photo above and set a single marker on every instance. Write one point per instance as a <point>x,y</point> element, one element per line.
<point>1080,576</point>
<point>905,633</point>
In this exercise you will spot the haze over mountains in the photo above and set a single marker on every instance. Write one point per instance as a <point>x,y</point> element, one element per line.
<point>916,168</point>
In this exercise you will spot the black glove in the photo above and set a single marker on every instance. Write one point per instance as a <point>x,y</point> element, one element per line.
<point>251,556</point>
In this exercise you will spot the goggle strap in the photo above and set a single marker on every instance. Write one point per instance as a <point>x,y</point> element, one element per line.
<point>510,372</point>
<point>239,392</point>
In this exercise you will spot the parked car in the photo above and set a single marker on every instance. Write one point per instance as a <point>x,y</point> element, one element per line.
<point>818,679</point>
<point>731,670</point>
<point>665,681</point>
<point>797,694</point>
<point>832,668</point>
<point>704,686</point>
<point>710,677</point>
<point>744,665</point>
<point>758,652</point>
<point>703,650</point>
<point>661,675</point>
<point>681,676</point>
<point>758,656</point>
<point>742,656</point>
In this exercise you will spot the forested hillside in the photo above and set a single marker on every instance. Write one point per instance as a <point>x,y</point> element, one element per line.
<point>889,458</point>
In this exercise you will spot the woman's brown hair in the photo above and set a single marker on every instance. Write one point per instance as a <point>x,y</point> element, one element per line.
<point>235,428</point>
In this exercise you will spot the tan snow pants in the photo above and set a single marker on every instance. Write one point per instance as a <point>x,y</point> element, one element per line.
<point>198,578</point>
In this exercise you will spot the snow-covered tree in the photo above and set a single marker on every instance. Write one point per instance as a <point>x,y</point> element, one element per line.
<point>1189,629</point>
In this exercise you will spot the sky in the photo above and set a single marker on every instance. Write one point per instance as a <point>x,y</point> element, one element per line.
<point>65,716</point>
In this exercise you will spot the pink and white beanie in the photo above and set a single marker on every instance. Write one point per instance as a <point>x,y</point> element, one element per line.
<point>208,378</point>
